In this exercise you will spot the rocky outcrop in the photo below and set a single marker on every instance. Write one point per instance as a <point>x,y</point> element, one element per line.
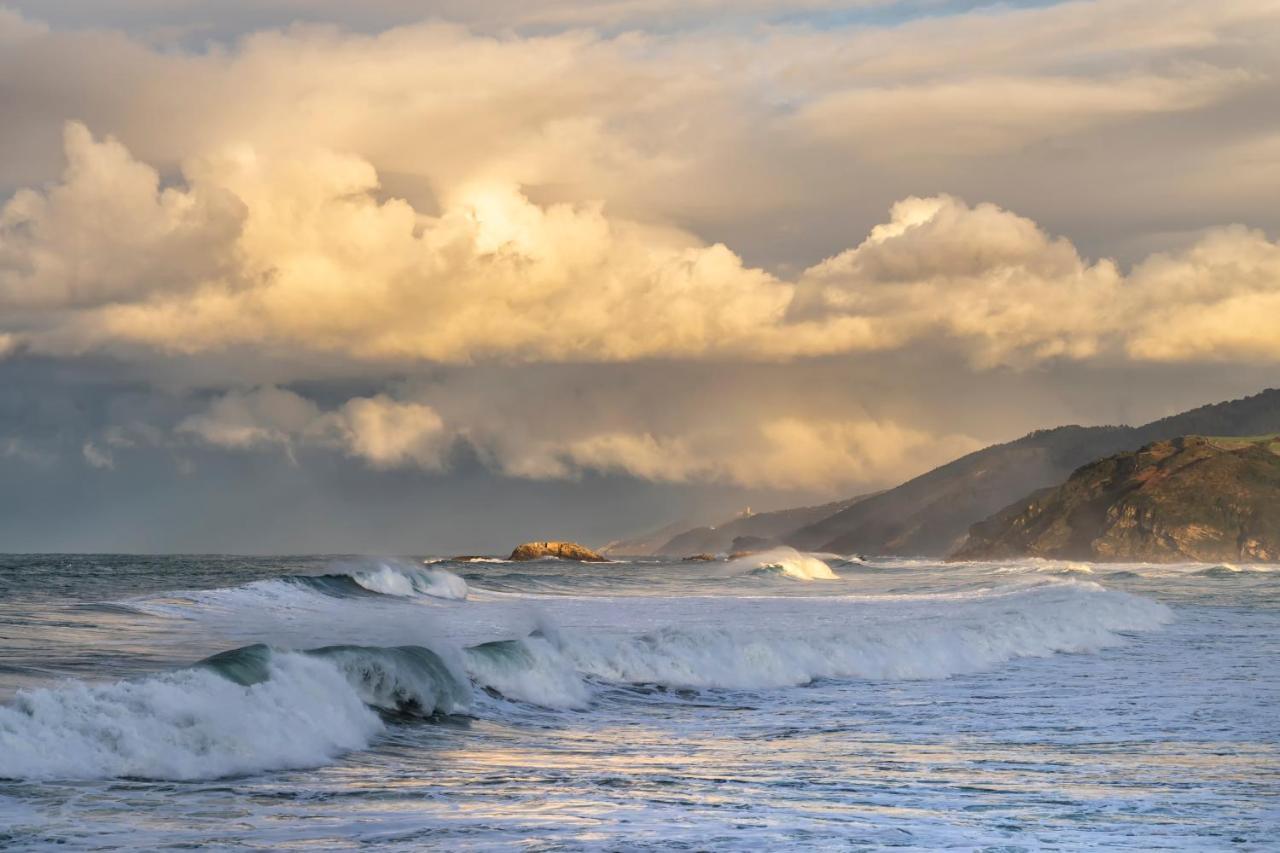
<point>561,550</point>
<point>1191,499</point>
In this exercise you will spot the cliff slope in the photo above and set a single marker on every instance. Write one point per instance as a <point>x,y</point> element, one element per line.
<point>1185,499</point>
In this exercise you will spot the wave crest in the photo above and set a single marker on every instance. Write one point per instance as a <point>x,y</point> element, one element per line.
<point>407,580</point>
<point>786,562</point>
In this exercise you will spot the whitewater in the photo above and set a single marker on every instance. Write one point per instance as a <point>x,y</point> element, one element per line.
<point>778,699</point>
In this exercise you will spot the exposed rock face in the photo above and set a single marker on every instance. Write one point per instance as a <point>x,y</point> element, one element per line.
<point>1186,499</point>
<point>563,550</point>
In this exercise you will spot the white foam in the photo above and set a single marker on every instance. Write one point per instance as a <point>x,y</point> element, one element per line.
<point>191,724</point>
<point>788,562</point>
<point>979,632</point>
<point>406,581</point>
<point>530,670</point>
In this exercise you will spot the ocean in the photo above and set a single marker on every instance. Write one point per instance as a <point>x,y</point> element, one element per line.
<point>776,701</point>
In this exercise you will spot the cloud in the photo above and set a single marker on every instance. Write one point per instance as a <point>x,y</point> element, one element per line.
<point>994,114</point>
<point>108,232</point>
<point>381,431</point>
<point>96,457</point>
<point>773,453</point>
<point>738,130</point>
<point>982,276</point>
<point>1216,301</point>
<point>23,450</point>
<point>314,261</point>
<point>267,416</point>
<point>387,433</point>
<point>765,451</point>
<point>754,253</point>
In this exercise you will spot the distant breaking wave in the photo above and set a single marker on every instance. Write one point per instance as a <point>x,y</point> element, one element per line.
<point>389,577</point>
<point>393,578</point>
<point>787,562</point>
<point>258,708</point>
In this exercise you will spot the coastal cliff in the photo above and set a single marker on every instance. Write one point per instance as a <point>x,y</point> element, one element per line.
<point>1185,499</point>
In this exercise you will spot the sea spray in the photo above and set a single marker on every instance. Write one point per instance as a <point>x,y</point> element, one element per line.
<point>786,562</point>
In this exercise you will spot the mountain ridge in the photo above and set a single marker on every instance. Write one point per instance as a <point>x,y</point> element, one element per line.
<point>930,515</point>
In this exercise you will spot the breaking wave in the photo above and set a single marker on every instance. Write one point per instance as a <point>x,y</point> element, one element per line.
<point>786,562</point>
<point>191,724</point>
<point>389,577</point>
<point>238,712</point>
<point>257,708</point>
<point>1068,617</point>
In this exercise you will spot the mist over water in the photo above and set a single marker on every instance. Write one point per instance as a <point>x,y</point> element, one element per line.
<point>777,699</point>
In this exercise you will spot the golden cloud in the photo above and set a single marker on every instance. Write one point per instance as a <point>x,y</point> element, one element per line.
<point>301,255</point>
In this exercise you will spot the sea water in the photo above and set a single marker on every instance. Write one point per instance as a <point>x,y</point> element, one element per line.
<point>778,700</point>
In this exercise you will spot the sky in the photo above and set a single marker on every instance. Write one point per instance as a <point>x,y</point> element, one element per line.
<point>433,277</point>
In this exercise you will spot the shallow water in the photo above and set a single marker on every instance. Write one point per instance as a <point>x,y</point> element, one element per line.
<point>742,705</point>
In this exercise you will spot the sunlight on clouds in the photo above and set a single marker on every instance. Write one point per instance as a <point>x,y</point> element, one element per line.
<point>302,255</point>
<point>314,203</point>
<point>762,451</point>
<point>987,115</point>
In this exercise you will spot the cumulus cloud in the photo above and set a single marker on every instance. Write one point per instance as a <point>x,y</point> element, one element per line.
<point>380,431</point>
<point>1217,301</point>
<point>301,255</point>
<point>387,433</point>
<point>983,276</point>
<point>109,233</point>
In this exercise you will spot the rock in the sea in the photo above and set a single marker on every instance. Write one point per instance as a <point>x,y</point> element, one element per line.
<point>562,550</point>
<point>700,558</point>
<point>1191,499</point>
